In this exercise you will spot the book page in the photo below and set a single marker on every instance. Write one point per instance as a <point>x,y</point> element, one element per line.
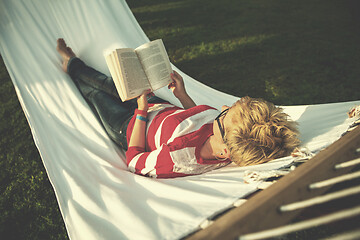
<point>155,62</point>
<point>132,73</point>
<point>111,61</point>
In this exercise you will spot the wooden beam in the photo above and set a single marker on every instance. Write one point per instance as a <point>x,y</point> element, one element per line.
<point>262,212</point>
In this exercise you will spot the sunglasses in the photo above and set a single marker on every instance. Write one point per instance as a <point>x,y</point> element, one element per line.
<point>220,124</point>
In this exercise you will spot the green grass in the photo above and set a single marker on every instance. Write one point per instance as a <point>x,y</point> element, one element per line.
<point>28,207</point>
<point>286,51</point>
<point>289,52</point>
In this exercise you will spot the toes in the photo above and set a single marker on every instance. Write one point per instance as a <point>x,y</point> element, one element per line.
<point>61,43</point>
<point>65,51</point>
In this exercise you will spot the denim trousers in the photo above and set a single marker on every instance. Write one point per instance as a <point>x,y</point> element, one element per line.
<point>100,92</point>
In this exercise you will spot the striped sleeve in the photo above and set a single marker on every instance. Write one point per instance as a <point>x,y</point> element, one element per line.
<point>146,163</point>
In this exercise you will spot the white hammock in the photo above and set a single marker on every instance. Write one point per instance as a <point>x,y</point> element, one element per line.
<point>98,197</point>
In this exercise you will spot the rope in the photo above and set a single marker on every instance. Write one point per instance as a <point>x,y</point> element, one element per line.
<point>303,225</point>
<point>320,199</point>
<point>345,236</point>
<point>348,163</point>
<point>206,223</point>
<point>239,202</point>
<point>335,180</point>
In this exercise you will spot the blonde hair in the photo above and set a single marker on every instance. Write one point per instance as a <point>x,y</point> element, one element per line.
<point>260,132</point>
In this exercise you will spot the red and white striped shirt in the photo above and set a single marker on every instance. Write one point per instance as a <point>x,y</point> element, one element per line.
<point>174,137</point>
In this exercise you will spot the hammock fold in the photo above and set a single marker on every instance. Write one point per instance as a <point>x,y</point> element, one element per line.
<point>97,196</point>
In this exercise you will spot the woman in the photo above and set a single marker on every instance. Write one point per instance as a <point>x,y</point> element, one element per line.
<point>163,140</point>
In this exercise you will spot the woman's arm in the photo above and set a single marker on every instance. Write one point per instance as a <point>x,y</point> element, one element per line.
<point>178,88</point>
<point>137,138</point>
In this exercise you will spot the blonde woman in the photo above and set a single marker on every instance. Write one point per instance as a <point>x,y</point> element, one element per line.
<point>162,140</point>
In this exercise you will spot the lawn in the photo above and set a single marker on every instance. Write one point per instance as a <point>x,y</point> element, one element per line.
<point>289,52</point>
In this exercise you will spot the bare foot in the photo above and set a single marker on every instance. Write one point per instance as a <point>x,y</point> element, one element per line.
<point>65,52</point>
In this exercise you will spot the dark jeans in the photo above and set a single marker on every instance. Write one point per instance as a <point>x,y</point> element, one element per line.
<point>100,92</point>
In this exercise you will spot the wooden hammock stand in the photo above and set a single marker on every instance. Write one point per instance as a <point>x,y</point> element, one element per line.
<point>262,210</point>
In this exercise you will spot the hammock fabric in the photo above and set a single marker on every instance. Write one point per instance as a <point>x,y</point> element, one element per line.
<point>97,196</point>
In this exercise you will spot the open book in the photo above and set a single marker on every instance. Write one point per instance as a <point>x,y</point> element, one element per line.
<point>136,70</point>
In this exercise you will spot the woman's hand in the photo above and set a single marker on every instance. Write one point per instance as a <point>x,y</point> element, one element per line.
<point>142,101</point>
<point>137,138</point>
<point>177,86</point>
